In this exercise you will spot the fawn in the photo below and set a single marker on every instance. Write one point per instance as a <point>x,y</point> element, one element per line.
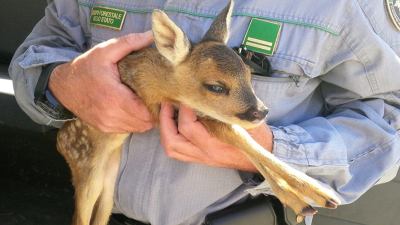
<point>203,76</point>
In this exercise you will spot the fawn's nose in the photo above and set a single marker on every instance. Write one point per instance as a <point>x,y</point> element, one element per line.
<point>254,114</point>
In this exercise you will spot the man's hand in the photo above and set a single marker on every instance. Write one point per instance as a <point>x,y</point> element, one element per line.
<point>90,87</point>
<point>189,141</point>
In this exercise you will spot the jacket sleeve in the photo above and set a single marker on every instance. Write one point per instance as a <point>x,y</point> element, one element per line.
<point>58,37</point>
<point>356,141</point>
<point>350,149</point>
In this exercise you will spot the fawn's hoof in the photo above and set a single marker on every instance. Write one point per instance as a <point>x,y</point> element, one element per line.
<point>308,211</point>
<point>332,204</point>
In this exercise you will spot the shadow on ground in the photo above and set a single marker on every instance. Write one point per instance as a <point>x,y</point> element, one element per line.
<point>34,180</point>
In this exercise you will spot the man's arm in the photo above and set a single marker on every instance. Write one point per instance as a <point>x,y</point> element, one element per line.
<point>91,88</point>
<point>350,149</point>
<point>56,38</point>
<point>87,83</point>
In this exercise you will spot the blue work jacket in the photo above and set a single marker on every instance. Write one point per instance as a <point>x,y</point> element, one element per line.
<point>333,94</point>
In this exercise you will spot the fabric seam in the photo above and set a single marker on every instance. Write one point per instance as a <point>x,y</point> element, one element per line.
<point>378,147</point>
<point>210,16</point>
<point>370,75</point>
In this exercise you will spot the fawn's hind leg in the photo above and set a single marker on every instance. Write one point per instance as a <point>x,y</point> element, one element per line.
<point>94,188</point>
<point>105,201</point>
<point>87,191</point>
<point>76,144</point>
<point>87,152</point>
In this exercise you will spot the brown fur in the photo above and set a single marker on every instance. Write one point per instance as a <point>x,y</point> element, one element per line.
<point>179,73</point>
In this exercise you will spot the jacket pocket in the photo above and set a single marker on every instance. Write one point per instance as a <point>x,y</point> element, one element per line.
<point>288,93</point>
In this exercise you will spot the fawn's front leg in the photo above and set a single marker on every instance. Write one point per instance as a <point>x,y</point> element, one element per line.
<point>292,187</point>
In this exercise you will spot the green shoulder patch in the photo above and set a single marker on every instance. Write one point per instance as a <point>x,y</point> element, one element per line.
<point>393,6</point>
<point>107,17</point>
<point>262,36</point>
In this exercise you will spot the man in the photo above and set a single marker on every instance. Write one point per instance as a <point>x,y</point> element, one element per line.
<point>333,95</point>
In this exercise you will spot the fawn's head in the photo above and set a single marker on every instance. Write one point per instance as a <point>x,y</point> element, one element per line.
<point>210,77</point>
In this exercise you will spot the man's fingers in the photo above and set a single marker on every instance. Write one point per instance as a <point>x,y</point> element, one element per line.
<point>134,106</point>
<point>181,157</point>
<point>172,141</point>
<point>168,129</point>
<point>186,114</point>
<point>135,125</point>
<point>117,48</point>
<point>181,148</point>
<point>187,123</point>
<point>123,123</point>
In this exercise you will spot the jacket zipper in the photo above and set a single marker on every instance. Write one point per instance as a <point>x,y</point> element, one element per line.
<point>296,79</point>
<point>293,77</point>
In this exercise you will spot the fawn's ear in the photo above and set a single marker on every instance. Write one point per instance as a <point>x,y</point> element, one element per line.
<point>170,40</point>
<point>219,28</point>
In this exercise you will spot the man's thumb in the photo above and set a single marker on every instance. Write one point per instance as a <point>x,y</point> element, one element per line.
<point>117,48</point>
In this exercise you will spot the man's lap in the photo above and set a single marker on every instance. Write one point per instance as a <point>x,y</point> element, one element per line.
<point>154,188</point>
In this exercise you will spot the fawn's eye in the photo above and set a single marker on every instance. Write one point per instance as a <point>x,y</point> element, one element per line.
<point>216,88</point>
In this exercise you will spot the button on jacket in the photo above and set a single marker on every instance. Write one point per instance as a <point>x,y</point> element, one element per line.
<point>333,96</point>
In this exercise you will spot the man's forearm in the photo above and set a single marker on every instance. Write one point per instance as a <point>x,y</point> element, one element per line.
<point>41,48</point>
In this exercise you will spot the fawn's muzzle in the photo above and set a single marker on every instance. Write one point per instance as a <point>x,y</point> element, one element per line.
<point>254,114</point>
